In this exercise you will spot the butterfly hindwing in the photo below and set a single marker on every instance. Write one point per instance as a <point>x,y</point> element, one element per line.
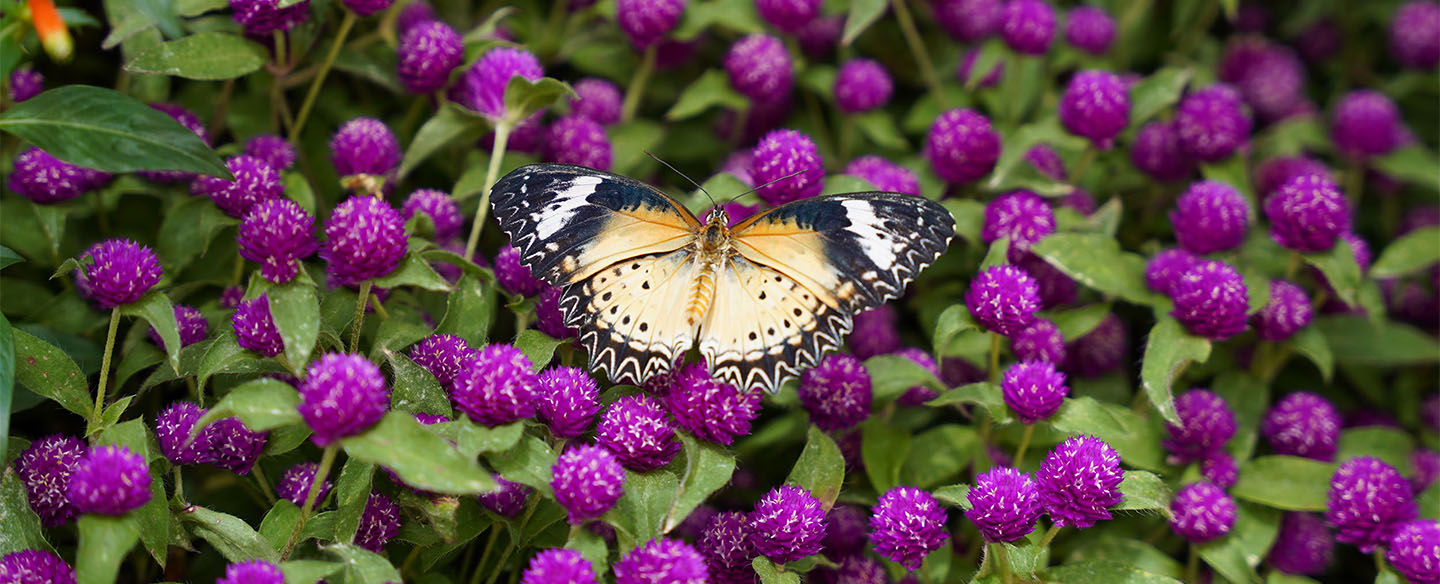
<point>628,314</point>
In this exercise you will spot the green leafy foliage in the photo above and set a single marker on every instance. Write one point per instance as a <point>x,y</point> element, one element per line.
<point>205,56</point>
<point>421,457</point>
<point>820,468</point>
<point>1167,352</point>
<point>1285,482</point>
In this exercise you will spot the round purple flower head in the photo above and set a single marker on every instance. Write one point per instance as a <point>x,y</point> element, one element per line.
<point>1277,171</point>
<point>44,179</point>
<point>1211,123</point>
<point>1080,481</point>
<point>1211,216</point>
<point>597,99</point>
<point>364,146</point>
<point>1307,213</point>
<point>1367,123</point>
<point>514,276</point>
<point>662,560</point>
<point>482,87</point>
<point>191,121</point>
<point>1080,201</point>
<point>173,428</point>
<point>907,525</point>
<point>294,485</point>
<point>874,332</point>
<point>252,572</point>
<point>1034,390</point>
<point>343,395</point>
<point>443,212</point>
<point>277,234</point>
<point>962,146</point>
<point>967,67</point>
<point>1047,161</point>
<point>255,328</point>
<point>35,567</point>
<point>559,566</point>
<point>636,429</point>
<point>884,175</point>
<point>1041,341</point>
<point>710,409</point>
<point>1211,300</point>
<point>1055,288</point>
<point>787,524</point>
<point>192,323</point>
<point>1285,314</point>
<point>1415,34</point>
<point>1427,467</point>
<point>1157,152</point>
<point>845,531</point>
<point>1206,424</point>
<point>1090,29</point>
<point>233,446</point>
<point>1003,299</point>
<point>1163,272</point>
<point>725,544</point>
<point>568,401</point>
<point>647,22</point>
<point>1414,551</point>
<point>1023,217</point>
<point>788,15</point>
<point>1095,105</point>
<point>782,153</point>
<point>836,393</point>
<point>255,182</point>
<point>1028,26</point>
<point>861,85</point>
<point>969,21</point>
<point>45,468</point>
<point>760,68</point>
<point>1220,468</point>
<point>1369,500</point>
<point>1100,351</point>
<point>821,35</point>
<point>261,18</point>
<point>414,13</point>
<point>116,272</point>
<point>588,480</point>
<point>25,83</point>
<point>1303,546</point>
<point>378,523</point>
<point>365,239</point>
<point>497,386</point>
<point>917,395</point>
<point>548,316</point>
<point>1004,504</point>
<point>271,149</point>
<point>508,501</point>
<point>1201,512</point>
<point>428,52</point>
<point>109,480</point>
<point>578,140</point>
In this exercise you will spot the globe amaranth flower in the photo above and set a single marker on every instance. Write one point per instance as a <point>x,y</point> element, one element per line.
<point>1415,34</point>
<point>428,52</point>
<point>636,429</point>
<point>578,140</point>
<point>788,15</point>
<point>1369,500</point>
<point>271,149</point>
<point>568,401</point>
<point>819,37</point>
<point>966,68</point>
<point>1211,216</point>
<point>1220,468</point>
<point>1206,424</point>
<point>862,85</point>
<point>691,528</point>
<point>35,567</point>
<point>1304,545</point>
<point>1004,504</point>
<point>343,395</point>
<point>255,182</point>
<point>191,324</point>
<point>25,83</point>
<point>783,153</point>
<point>1158,153</point>
<point>548,316</point>
<point>1079,481</point>
<point>647,22</point>
<point>190,121</point>
<point>917,395</point>
<point>262,18</point>
<point>1307,213</point>
<point>252,572</point>
<point>1028,26</point>
<point>846,531</point>
<point>1034,390</point>
<point>514,276</point>
<point>587,481</point>
<point>116,272</point>
<point>294,485</point>
<point>44,179</point>
<point>1003,299</point>
<point>1285,314</point>
<point>1090,29</point>
<point>1211,300</point>
<point>1414,551</point>
<point>559,566</point>
<point>364,146</point>
<point>597,99</point>
<point>760,68</point>
<point>1055,288</point>
<point>44,469</point>
<point>1212,123</point>
<point>836,392</point>
<point>1201,512</point>
<point>1426,464</point>
<point>442,210</point>
<point>482,87</point>
<point>1096,105</point>
<point>1080,201</point>
<point>507,501</point>
<point>365,239</point>
<point>962,146</point>
<point>277,234</point>
<point>1041,341</point>
<point>874,332</point>
<point>1046,161</point>
<point>884,175</point>
<point>255,328</point>
<point>109,480</point>
<point>662,560</point>
<point>1367,123</point>
<point>1163,272</point>
<point>1099,351</point>
<point>497,386</point>
<point>725,545</point>
<point>378,523</point>
<point>710,409</point>
<point>906,525</point>
<point>969,21</point>
<point>1020,216</point>
<point>173,430</point>
<point>787,524</point>
<point>233,446</point>
<point>1279,170</point>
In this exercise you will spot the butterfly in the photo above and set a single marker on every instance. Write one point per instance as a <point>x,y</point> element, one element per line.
<point>644,280</point>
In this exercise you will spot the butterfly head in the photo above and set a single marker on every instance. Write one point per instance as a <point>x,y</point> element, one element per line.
<point>717,217</point>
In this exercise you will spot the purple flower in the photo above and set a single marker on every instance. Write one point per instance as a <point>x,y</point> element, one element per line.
<point>414,13</point>
<point>884,175</point>
<point>760,68</point>
<point>1367,124</point>
<point>1003,299</point>
<point>271,149</point>
<point>508,501</point>
<point>1028,26</point>
<point>116,272</point>
<point>44,179</point>
<point>568,401</point>
<point>1034,390</point>
<point>962,146</point>
<point>1079,481</point>
<point>192,326</point>
<point>1046,161</point>
<point>45,468</point>
<point>261,18</point>
<point>725,545</point>
<point>788,15</point>
<point>1004,504</point>
<point>1100,351</point>
<point>277,234</point>
<point>1090,29</point>
<point>821,35</point>
<point>1055,288</point>
<point>1201,512</point>
<point>1369,500</point>
<point>907,525</point>
<point>1095,105</point>
<point>255,328</point>
<point>874,332</point>
<point>1163,272</point>
<point>25,83</point>
<point>647,22</point>
<point>1414,551</point>
<point>782,153</point>
<point>597,99</point>
<point>294,485</point>
<point>443,212</point>
<point>861,85</point>
<point>1307,213</point>
<point>787,524</point>
<point>514,276</point>
<point>35,567</point>
<point>1427,466</point>
<point>365,240</point>
<point>1206,424</point>
<point>836,393</point>
<point>109,480</point>
<point>1414,35</point>
<point>967,65</point>
<point>1303,424</point>
<point>845,531</point>
<point>1211,216</point>
<point>917,395</point>
<point>548,316</point>
<point>1320,41</point>
<point>173,428</point>
<point>482,87</point>
<point>233,446</point>
<point>1022,217</point>
<point>1211,300</point>
<point>428,52</point>
<point>1041,341</point>
<point>1211,123</point>
<point>588,480</point>
<point>1273,82</point>
<point>378,523</point>
<point>343,395</point>
<point>1277,171</point>
<point>1219,468</point>
<point>559,566</point>
<point>1285,314</point>
<point>364,146</point>
<point>695,523</point>
<point>636,429</point>
<point>578,140</point>
<point>1158,153</point>
<point>252,572</point>
<point>231,297</point>
<point>1303,546</point>
<point>710,409</point>
<point>191,122</point>
<point>255,182</point>
<point>969,21</point>
<point>670,561</point>
<point>497,386</point>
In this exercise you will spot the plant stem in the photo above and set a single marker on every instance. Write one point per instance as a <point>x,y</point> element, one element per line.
<point>917,48</point>
<point>994,357</point>
<point>1192,566</point>
<point>179,484</point>
<point>359,315</point>
<point>1355,182</point>
<point>505,556</point>
<point>345,25</point>
<point>497,152</point>
<point>1002,562</point>
<point>239,272</point>
<point>379,307</point>
<point>326,461</point>
<point>1024,445</point>
<point>1086,159</point>
<point>485,554</point>
<point>99,412</point>
<point>1293,267</point>
<point>217,118</point>
<point>264,484</point>
<point>280,56</point>
<point>637,85</point>
<point>100,215</point>
<point>1050,535</point>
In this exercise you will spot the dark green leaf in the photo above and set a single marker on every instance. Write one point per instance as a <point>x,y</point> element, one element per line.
<point>528,463</point>
<point>1078,322</point>
<point>1232,171</point>
<point>712,89</point>
<point>524,97</point>
<point>983,394</point>
<point>1412,252</point>
<point>969,217</point>
<point>1104,571</point>
<point>1235,555</point>
<point>421,457</point>
<point>132,434</point>
<point>22,526</point>
<point>538,347</point>
<point>939,455</point>
<point>1248,398</point>
<point>262,404</point>
<point>1168,351</point>
<point>891,376</point>
<point>1156,92</point>
<point>1413,164</point>
<point>1311,343</point>
<point>955,320</point>
<point>108,419</point>
<point>469,311</point>
<point>153,521</point>
<point>48,371</point>
<point>631,141</point>
<point>222,355</point>
<point>415,389</point>
<point>1285,482</point>
<point>295,309</point>
<point>879,127</point>
<point>1017,143</point>
<point>473,439</point>
<point>230,535</point>
<point>1340,270</point>
<point>954,496</point>
<point>362,566</point>
<point>279,522</point>
<point>1429,502</point>
<point>414,271</point>
<point>1143,491</point>
<point>352,492</point>
<point>8,257</point>
<point>862,14</point>
<point>1132,552</point>
<point>309,571</point>
<point>138,358</point>
<point>883,448</point>
<point>641,511</point>
<point>104,543</point>
<point>772,574</point>
<point>1096,261</point>
<point>7,381</point>
<point>737,16</point>
<point>1360,341</point>
<point>1392,445</point>
<point>820,468</point>
<point>591,547</point>
<point>1129,433</point>
<point>448,126</point>
<point>707,469</point>
<point>156,309</point>
<point>205,56</point>
<point>997,255</point>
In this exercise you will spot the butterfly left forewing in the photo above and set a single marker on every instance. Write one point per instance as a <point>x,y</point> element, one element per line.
<point>628,314</point>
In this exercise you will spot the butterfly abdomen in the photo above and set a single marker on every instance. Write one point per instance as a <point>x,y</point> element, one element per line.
<point>701,294</point>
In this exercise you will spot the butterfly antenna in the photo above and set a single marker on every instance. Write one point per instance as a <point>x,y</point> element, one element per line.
<point>791,175</point>
<point>677,171</point>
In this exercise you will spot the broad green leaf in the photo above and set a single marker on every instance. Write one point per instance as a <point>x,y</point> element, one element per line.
<point>1168,351</point>
<point>524,97</point>
<point>279,522</point>
<point>891,376</point>
<point>956,319</point>
<point>997,255</point>
<point>206,56</point>
<point>192,8</point>
<point>1096,261</point>
<point>538,347</point>
<point>1017,143</point>
<point>772,574</point>
<point>631,140</point>
<point>1311,343</point>
<point>939,455</point>
<point>1429,502</point>
<point>957,496</point>
<point>262,404</point>
<point>156,309</point>
<point>641,511</point>
<point>1412,252</point>
<point>1143,491</point>
<point>1232,171</point>
<point>469,311</point>
<point>7,381</point>
<point>223,354</point>
<point>49,372</point>
<point>1360,341</point>
<point>1156,92</point>
<point>1391,445</point>
<point>154,523</point>
<point>1248,398</point>
<point>8,257</point>
<point>861,15</point>
<point>449,125</point>
<point>110,131</point>
<point>738,16</point>
<point>879,126</point>
<point>820,468</point>
<point>969,217</point>
<point>22,526</point>
<point>473,439</point>
<point>414,271</point>
<point>1129,433</point>
<point>440,514</point>
<point>1106,571</point>
<point>1235,555</point>
<point>708,468</point>
<point>1340,270</point>
<point>712,89</point>
<point>104,542</point>
<point>1285,482</point>
<point>187,230</point>
<point>591,546</point>
<point>1413,164</point>
<point>883,447</point>
<point>1134,553</point>
<point>415,389</point>
<point>419,456</point>
<point>1026,555</point>
<point>352,492</point>
<point>983,394</point>
<point>1078,322</point>
<point>362,566</point>
<point>529,463</point>
<point>230,535</point>
<point>295,308</point>
<point>309,571</point>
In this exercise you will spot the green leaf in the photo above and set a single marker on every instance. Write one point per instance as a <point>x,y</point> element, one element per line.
<point>221,355</point>
<point>528,463</point>
<point>207,56</point>
<point>1106,571</point>
<point>309,571</point>
<point>1017,143</point>
<point>1360,341</point>
<point>538,347</point>
<point>1248,398</point>
<point>473,439</point>
<point>279,522</point>
<point>642,510</point>
<point>591,546</point>
<point>132,434</point>
<point>838,184</point>
<point>862,14</point>
<point>7,381</point>
<point>1232,171</point>
<point>352,492</point>
<point>879,127</point>
<point>230,535</point>
<point>954,496</point>
<point>1429,502</point>
<point>524,97</point>
<point>883,448</point>
<point>997,255</point>
<point>1096,261</point>
<point>1156,92</point>
<point>891,376</point>
<point>955,319</point>
<point>449,125</point>
<point>187,230</point>
<point>421,457</point>
<point>772,574</point>
<point>156,309</point>
<point>295,308</point>
<point>104,543</point>
<point>1340,269</point>
<point>415,389</point>
<point>155,524</point>
<point>820,468</point>
<point>969,217</point>
<point>708,468</point>
<point>1129,433</point>
<point>939,455</point>
<point>22,526</point>
<point>110,131</point>
<point>1285,482</point>
<point>1131,552</point>
<point>1144,491</point>
<point>737,16</point>
<point>1235,555</point>
<point>1078,322</point>
<point>1413,164</point>
<point>414,271</point>
<point>1391,445</point>
<point>1167,352</point>
<point>362,566</point>
<point>262,404</point>
<point>469,311</point>
<point>1410,253</point>
<point>712,89</point>
<point>984,394</point>
<point>8,257</point>
<point>1311,343</point>
<point>49,372</point>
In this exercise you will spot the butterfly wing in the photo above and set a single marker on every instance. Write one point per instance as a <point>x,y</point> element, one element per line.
<point>570,222</point>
